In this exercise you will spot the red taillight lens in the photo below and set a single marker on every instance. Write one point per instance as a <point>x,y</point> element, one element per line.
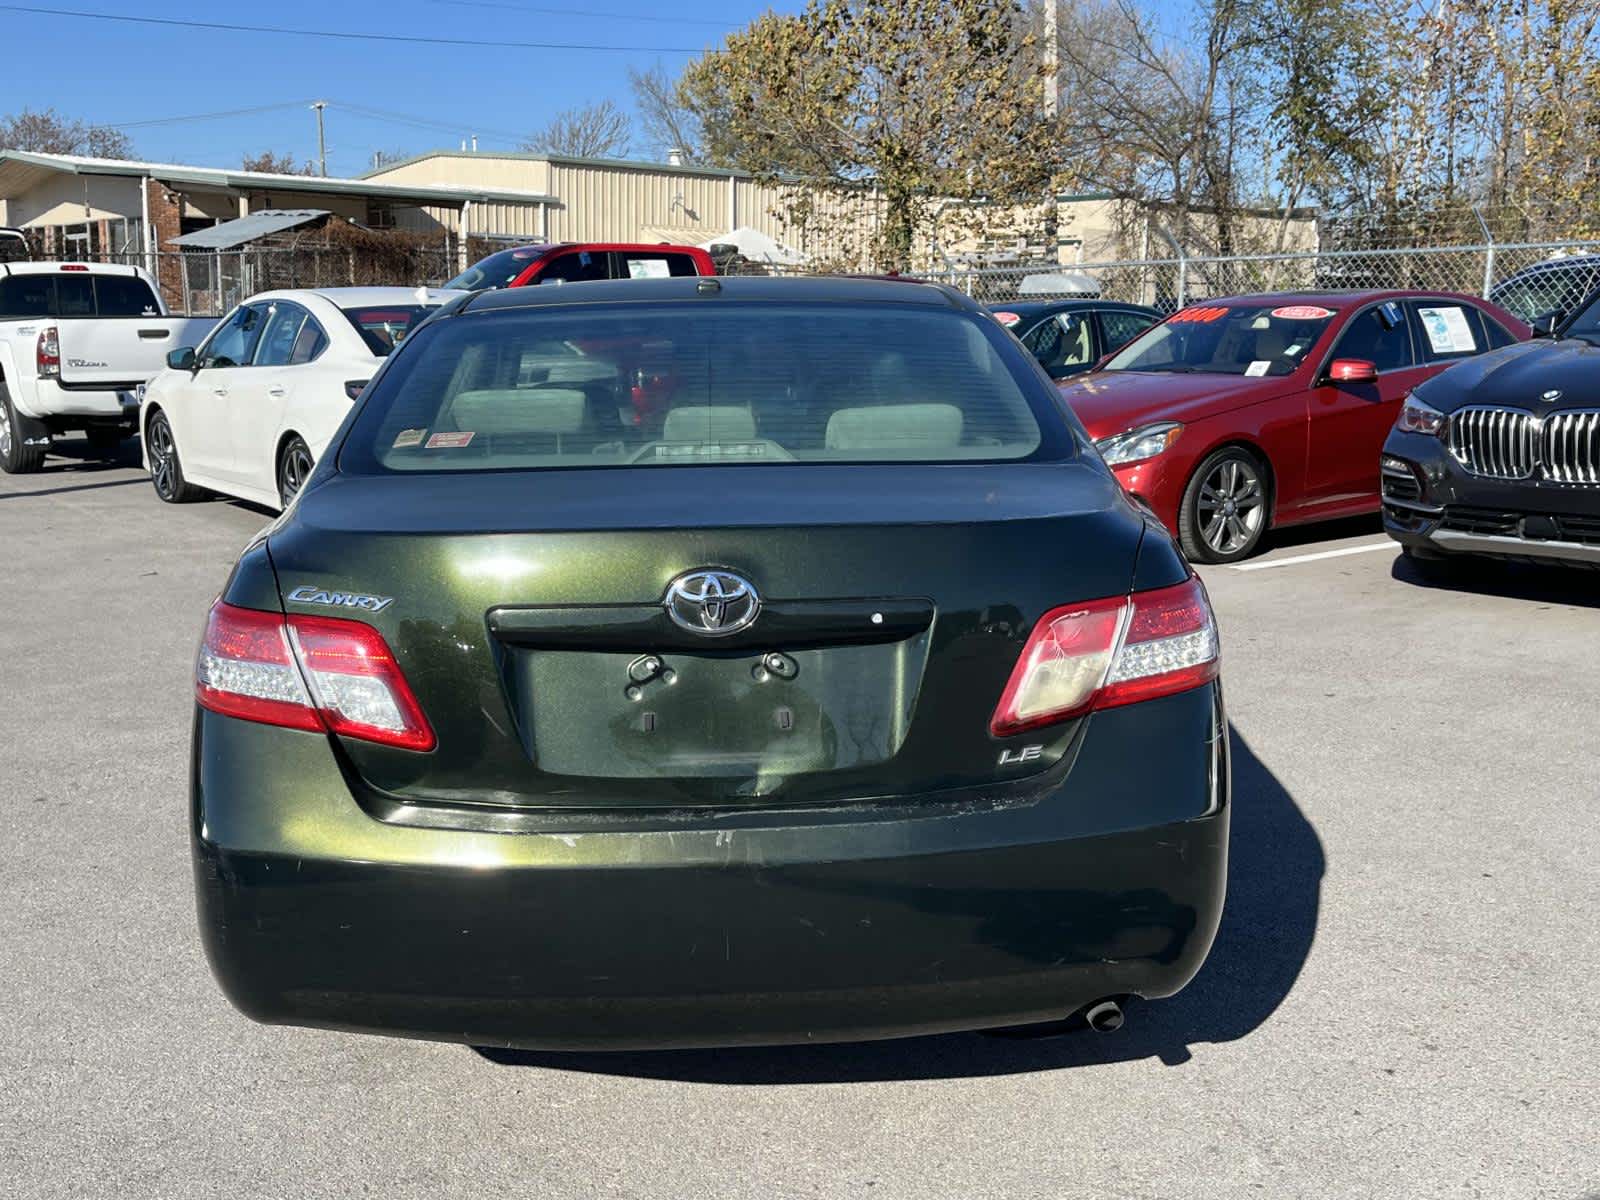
<point>47,353</point>
<point>307,673</point>
<point>1103,653</point>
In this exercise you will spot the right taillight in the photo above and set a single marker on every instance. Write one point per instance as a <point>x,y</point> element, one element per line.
<point>1104,653</point>
<point>47,354</point>
<point>315,673</point>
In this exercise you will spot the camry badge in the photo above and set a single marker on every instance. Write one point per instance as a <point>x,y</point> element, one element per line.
<point>311,594</point>
<point>712,603</point>
<point>1551,396</point>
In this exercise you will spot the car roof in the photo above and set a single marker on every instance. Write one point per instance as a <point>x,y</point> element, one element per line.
<point>1582,262</point>
<point>1337,298</point>
<point>360,297</point>
<point>1037,308</point>
<point>809,289</point>
<point>52,267</point>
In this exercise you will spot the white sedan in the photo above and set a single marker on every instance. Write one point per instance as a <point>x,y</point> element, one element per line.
<point>249,411</point>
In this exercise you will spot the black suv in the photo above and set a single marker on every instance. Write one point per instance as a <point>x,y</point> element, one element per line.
<point>1500,455</point>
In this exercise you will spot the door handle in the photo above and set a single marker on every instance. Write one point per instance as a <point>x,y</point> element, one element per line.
<point>219,391</point>
<point>276,390</point>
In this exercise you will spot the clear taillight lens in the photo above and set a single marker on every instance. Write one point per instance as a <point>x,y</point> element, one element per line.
<point>47,354</point>
<point>1104,653</point>
<point>318,673</point>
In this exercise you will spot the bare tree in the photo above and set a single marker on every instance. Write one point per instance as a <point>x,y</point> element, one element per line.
<point>276,164</point>
<point>668,124</point>
<point>589,131</point>
<point>45,131</point>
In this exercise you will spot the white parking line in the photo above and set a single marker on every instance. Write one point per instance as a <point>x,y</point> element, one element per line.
<point>1386,544</point>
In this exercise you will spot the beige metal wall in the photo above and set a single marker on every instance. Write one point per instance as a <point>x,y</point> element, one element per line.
<point>61,200</point>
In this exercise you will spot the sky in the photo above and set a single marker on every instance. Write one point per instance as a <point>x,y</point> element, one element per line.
<point>417,96</point>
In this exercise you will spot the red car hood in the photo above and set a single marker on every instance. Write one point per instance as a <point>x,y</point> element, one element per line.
<point>1112,402</point>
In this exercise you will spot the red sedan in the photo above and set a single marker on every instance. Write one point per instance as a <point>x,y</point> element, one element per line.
<point>1236,415</point>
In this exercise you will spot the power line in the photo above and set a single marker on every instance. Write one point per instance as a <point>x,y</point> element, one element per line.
<point>210,116</point>
<point>431,125</point>
<point>585,12</point>
<point>174,23</point>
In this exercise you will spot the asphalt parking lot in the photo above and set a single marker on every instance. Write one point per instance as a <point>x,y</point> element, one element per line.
<point>1401,1001</point>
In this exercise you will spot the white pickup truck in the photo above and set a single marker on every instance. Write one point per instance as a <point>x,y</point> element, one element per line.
<point>77,343</point>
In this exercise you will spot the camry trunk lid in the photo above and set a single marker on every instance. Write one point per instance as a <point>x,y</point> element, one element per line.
<point>885,610</point>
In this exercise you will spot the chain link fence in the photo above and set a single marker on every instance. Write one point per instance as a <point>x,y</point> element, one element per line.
<point>1528,278</point>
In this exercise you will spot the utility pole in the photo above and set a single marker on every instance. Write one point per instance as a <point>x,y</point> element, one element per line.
<point>322,141</point>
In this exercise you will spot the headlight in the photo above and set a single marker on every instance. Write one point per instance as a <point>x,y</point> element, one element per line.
<point>1138,444</point>
<point>1417,417</point>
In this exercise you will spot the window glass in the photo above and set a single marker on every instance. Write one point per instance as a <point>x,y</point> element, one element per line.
<point>124,296</point>
<point>74,295</point>
<point>234,343</point>
<point>1379,336</point>
<point>1061,341</point>
<point>26,296</point>
<point>1447,331</point>
<point>1228,340</point>
<point>579,266</point>
<point>638,265</point>
<point>1120,328</point>
<point>384,327</point>
<point>1558,287</point>
<point>664,385</point>
<point>281,335</point>
<point>1498,335</point>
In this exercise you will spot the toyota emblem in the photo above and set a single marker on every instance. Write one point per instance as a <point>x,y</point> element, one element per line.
<point>712,603</point>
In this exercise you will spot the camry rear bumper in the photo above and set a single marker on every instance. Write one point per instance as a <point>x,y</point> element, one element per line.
<point>876,924</point>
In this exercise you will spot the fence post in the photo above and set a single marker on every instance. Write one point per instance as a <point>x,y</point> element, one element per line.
<point>1488,254</point>
<point>1183,263</point>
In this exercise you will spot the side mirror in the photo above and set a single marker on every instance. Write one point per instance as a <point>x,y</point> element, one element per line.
<point>1546,324</point>
<point>181,359</point>
<point>1352,370</point>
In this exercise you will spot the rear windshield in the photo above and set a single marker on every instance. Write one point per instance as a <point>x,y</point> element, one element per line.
<point>498,270</point>
<point>385,326</point>
<point>698,384</point>
<point>76,294</point>
<point>1228,340</point>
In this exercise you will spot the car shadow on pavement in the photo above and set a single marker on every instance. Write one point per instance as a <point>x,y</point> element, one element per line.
<point>1536,583</point>
<point>1370,524</point>
<point>1275,873</point>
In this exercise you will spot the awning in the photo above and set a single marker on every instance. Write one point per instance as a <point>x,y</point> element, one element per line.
<point>245,230</point>
<point>757,247</point>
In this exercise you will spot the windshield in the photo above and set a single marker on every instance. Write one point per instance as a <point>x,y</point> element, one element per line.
<point>384,327</point>
<point>1266,339</point>
<point>1548,289</point>
<point>712,383</point>
<point>498,270</point>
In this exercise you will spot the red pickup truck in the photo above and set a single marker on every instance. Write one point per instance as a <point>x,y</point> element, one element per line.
<point>582,262</point>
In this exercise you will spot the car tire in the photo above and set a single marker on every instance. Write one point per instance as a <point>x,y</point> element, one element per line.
<point>15,458</point>
<point>166,470</point>
<point>1226,507</point>
<point>295,465</point>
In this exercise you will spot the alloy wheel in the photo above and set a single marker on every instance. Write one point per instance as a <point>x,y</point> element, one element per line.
<point>292,475</point>
<point>1232,505</point>
<point>163,472</point>
<point>5,429</point>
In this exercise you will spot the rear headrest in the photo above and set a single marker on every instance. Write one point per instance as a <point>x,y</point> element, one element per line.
<point>710,423</point>
<point>581,371</point>
<point>895,427</point>
<point>492,411</point>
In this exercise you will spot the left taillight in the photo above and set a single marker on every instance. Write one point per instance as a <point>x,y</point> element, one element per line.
<point>1105,653</point>
<point>47,353</point>
<point>315,673</point>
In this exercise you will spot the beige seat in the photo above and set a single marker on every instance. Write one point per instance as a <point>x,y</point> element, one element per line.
<point>493,412</point>
<point>895,427</point>
<point>710,423</point>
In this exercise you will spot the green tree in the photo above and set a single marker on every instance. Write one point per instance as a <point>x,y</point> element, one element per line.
<point>916,103</point>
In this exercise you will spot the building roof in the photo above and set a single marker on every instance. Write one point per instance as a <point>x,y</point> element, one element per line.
<point>21,170</point>
<point>572,160</point>
<point>240,232</point>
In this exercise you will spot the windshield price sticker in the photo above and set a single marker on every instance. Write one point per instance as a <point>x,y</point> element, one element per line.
<point>1448,331</point>
<point>408,437</point>
<point>1197,316</point>
<point>448,441</point>
<point>1007,318</point>
<point>1259,367</point>
<point>1302,312</point>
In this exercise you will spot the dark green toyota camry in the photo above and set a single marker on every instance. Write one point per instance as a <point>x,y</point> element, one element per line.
<point>702,662</point>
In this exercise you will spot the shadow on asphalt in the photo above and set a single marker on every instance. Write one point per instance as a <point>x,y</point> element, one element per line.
<point>1369,525</point>
<point>1537,583</point>
<point>1275,871</point>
